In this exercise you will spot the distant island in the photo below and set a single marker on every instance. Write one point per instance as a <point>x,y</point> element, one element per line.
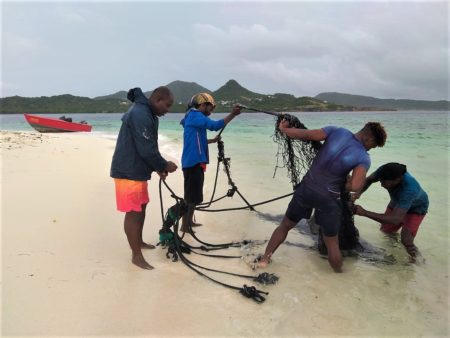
<point>227,95</point>
<point>373,102</point>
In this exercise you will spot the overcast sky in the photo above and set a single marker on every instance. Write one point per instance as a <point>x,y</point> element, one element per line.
<point>382,49</point>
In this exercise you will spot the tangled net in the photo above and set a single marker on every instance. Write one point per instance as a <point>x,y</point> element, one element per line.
<point>297,156</point>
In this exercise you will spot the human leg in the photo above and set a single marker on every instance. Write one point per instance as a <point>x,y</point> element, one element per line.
<point>132,198</point>
<point>133,230</point>
<point>328,214</point>
<point>296,210</point>
<point>408,242</point>
<point>278,236</point>
<point>193,195</point>
<point>410,227</point>
<point>334,254</point>
<point>141,226</point>
<point>186,221</point>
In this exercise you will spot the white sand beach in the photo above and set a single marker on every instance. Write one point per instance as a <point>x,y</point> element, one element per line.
<point>66,268</point>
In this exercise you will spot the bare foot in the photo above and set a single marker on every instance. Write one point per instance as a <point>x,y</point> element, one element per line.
<point>412,250</point>
<point>147,246</point>
<point>261,262</point>
<point>196,224</point>
<point>141,262</point>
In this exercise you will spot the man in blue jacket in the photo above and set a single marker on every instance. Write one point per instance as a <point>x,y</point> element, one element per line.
<point>195,155</point>
<point>135,158</point>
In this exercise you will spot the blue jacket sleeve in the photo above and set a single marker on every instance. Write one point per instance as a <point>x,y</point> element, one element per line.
<point>201,121</point>
<point>145,136</point>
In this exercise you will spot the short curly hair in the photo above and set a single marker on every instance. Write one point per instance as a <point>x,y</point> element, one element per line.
<point>377,131</point>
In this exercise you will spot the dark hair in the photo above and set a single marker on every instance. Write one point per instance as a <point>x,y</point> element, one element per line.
<point>377,131</point>
<point>161,92</point>
<point>391,171</point>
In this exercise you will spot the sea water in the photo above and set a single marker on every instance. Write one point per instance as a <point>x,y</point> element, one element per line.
<point>377,299</point>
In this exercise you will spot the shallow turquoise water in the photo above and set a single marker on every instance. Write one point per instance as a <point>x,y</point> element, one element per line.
<point>416,138</point>
<point>413,299</point>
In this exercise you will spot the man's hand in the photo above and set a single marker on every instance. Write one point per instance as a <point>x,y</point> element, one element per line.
<point>162,174</point>
<point>236,110</point>
<point>215,139</point>
<point>359,210</point>
<point>284,124</point>
<point>171,167</point>
<point>354,196</point>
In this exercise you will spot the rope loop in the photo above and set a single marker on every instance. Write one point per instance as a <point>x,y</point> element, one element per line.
<point>253,293</point>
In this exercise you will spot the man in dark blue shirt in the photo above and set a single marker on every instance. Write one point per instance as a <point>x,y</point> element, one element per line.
<point>135,157</point>
<point>343,152</point>
<point>407,207</point>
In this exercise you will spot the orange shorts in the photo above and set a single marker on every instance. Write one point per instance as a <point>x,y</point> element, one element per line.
<point>410,222</point>
<point>131,195</point>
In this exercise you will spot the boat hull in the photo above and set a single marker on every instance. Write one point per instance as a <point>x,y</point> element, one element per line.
<point>51,125</point>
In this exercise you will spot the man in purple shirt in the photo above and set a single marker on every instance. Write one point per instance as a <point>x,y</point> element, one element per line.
<point>343,152</point>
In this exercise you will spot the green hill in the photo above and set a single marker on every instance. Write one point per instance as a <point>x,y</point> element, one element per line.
<point>227,95</point>
<point>183,91</point>
<point>120,95</point>
<point>61,104</point>
<point>234,92</point>
<point>372,102</point>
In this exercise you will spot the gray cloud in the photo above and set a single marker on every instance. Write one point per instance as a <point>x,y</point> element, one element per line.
<point>383,49</point>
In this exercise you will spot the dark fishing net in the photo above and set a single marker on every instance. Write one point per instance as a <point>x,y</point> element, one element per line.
<point>297,157</point>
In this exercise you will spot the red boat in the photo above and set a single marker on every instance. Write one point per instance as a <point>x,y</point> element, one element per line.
<point>52,125</point>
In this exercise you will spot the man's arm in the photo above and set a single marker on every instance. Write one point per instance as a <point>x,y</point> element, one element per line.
<point>234,112</point>
<point>395,217</point>
<point>357,193</point>
<point>302,134</point>
<point>145,140</point>
<point>357,180</point>
<point>371,179</point>
<point>201,121</point>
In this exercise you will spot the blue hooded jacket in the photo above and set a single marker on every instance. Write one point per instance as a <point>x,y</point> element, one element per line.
<point>137,155</point>
<point>195,141</point>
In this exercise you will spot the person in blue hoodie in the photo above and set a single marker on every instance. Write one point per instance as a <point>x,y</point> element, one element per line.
<point>195,155</point>
<point>135,157</point>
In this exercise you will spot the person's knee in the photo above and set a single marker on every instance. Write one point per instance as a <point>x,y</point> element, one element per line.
<point>133,216</point>
<point>287,223</point>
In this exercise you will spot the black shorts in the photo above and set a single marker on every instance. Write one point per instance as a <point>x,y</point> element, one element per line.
<point>193,184</point>
<point>327,206</point>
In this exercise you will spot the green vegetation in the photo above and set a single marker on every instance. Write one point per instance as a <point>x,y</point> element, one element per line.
<point>373,102</point>
<point>227,95</point>
<point>61,104</point>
